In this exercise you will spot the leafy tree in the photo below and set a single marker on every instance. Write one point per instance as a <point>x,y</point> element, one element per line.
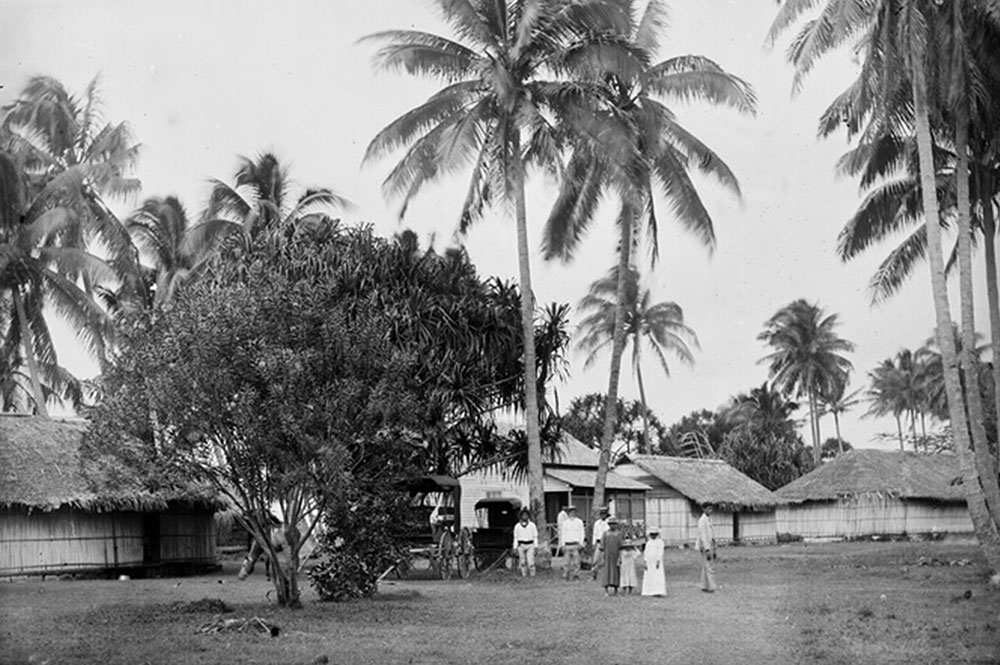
<point>496,114</point>
<point>767,457</point>
<point>807,359</point>
<point>585,421</point>
<point>839,403</point>
<point>341,362</point>
<point>634,149</point>
<point>661,326</point>
<point>698,434</point>
<point>833,447</point>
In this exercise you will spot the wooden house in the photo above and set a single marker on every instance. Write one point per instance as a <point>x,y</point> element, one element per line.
<point>55,518</point>
<point>679,486</point>
<point>568,478</point>
<point>876,492</point>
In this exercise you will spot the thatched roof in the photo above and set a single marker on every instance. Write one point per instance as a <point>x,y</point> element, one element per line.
<point>900,474</point>
<point>707,481</point>
<point>40,468</point>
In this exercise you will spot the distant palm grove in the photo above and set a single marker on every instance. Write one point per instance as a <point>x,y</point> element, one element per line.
<point>581,90</point>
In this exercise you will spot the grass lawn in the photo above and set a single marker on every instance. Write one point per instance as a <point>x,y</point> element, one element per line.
<point>864,603</point>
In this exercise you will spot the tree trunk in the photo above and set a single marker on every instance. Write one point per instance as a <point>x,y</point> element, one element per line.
<point>647,446</point>
<point>980,446</point>
<point>992,296</point>
<point>535,489</point>
<point>617,350</point>
<point>814,426</point>
<point>899,429</point>
<point>836,425</point>
<point>981,519</point>
<point>29,353</point>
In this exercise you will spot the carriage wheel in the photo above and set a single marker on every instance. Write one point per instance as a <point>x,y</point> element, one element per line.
<point>445,553</point>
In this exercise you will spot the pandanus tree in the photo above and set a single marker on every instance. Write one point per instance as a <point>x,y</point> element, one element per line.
<point>637,150</point>
<point>659,326</point>
<point>903,48</point>
<point>496,115</point>
<point>807,358</point>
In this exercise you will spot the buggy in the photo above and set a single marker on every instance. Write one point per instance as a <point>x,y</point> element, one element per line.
<point>436,533</point>
<point>492,539</point>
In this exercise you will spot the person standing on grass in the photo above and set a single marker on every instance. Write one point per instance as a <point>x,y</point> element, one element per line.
<point>611,543</point>
<point>525,542</point>
<point>654,582</point>
<point>560,518</point>
<point>626,566</point>
<point>572,536</point>
<point>600,528</point>
<point>705,544</point>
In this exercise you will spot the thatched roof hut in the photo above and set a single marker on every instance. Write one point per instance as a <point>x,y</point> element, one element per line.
<point>876,492</point>
<point>680,486</point>
<point>706,481</point>
<point>905,475</point>
<point>58,514</point>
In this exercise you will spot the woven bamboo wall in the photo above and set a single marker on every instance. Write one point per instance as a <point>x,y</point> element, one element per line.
<point>758,527</point>
<point>68,539</point>
<point>872,514</point>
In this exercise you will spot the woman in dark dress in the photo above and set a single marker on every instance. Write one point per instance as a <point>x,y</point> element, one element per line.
<point>611,543</point>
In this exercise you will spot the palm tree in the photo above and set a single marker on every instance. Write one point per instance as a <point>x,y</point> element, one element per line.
<point>638,149</point>
<point>497,115</point>
<point>807,357</point>
<point>838,403</point>
<point>75,160</point>
<point>262,200</point>
<point>899,385</point>
<point>32,279</point>
<point>178,251</point>
<point>765,407</point>
<point>900,52</point>
<point>661,326</point>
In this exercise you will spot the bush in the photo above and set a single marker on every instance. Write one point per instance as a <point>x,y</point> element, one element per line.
<point>365,535</point>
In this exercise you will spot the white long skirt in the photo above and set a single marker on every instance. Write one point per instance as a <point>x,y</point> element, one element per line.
<point>654,583</point>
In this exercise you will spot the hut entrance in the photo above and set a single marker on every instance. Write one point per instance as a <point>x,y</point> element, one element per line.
<point>150,538</point>
<point>736,527</point>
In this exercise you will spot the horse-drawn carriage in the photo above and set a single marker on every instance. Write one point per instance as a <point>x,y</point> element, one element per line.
<point>492,539</point>
<point>437,536</point>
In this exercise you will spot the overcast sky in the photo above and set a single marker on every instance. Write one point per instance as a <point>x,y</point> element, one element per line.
<point>201,82</point>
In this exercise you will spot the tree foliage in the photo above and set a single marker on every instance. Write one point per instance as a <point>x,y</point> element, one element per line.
<point>585,421</point>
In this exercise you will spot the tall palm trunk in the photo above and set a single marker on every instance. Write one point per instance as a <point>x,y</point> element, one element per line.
<point>647,446</point>
<point>984,458</point>
<point>617,350</point>
<point>992,294</point>
<point>814,425</point>
<point>535,490</point>
<point>836,425</point>
<point>899,429</point>
<point>29,353</point>
<point>983,523</point>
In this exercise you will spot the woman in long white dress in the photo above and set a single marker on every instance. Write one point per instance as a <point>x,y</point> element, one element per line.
<point>654,582</point>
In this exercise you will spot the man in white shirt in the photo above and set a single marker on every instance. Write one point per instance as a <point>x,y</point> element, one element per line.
<point>572,538</point>
<point>705,543</point>
<point>600,526</point>
<point>525,542</point>
<point>560,518</point>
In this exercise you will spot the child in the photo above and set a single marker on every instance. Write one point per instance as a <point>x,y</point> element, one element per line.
<point>626,562</point>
